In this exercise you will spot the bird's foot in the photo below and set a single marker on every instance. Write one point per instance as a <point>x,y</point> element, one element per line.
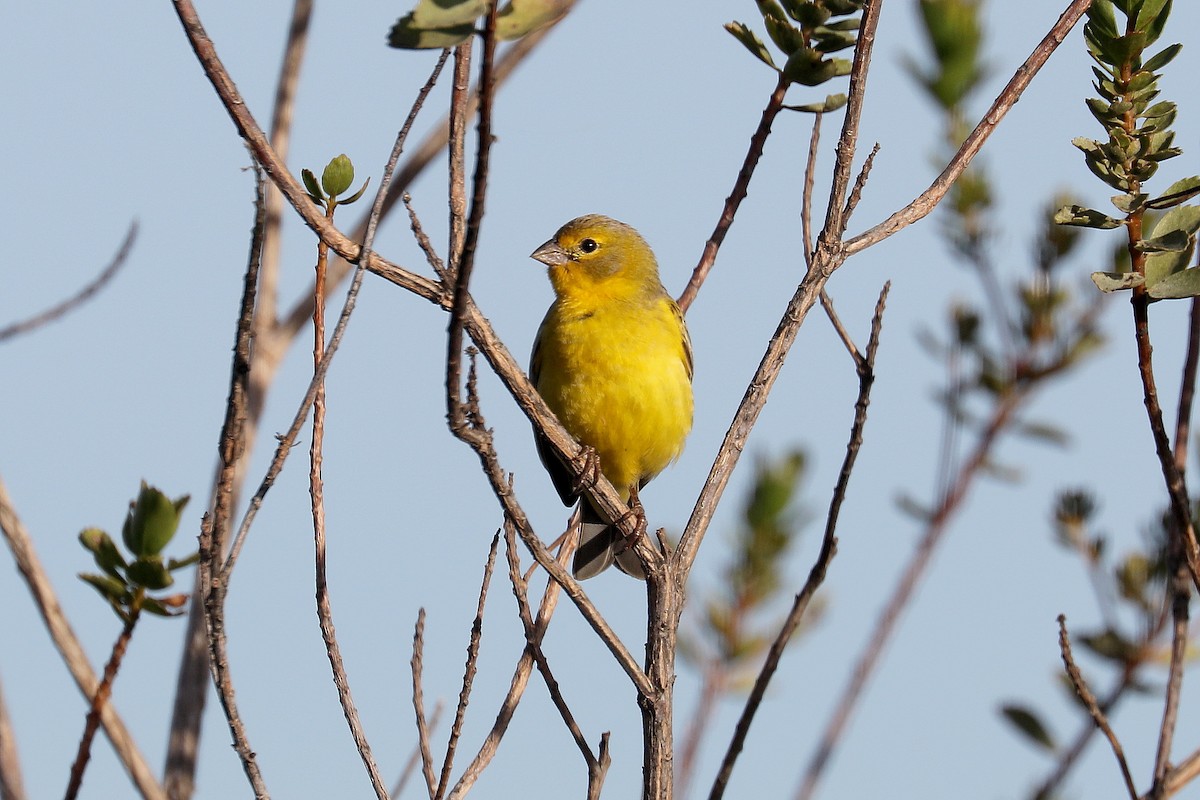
<point>638,513</point>
<point>587,470</point>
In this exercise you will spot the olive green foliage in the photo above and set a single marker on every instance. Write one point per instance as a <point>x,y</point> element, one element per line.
<point>769,527</point>
<point>806,33</point>
<point>1128,592</point>
<point>125,578</point>
<point>1138,139</point>
<point>336,179</point>
<point>446,23</point>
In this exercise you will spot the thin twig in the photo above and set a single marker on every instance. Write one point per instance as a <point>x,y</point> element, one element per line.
<point>1183,774</point>
<point>286,441</point>
<point>99,700</point>
<point>317,491</point>
<point>900,597</point>
<point>472,665</point>
<point>816,576</point>
<point>810,177</point>
<point>418,697</point>
<point>517,686</point>
<point>68,646</point>
<point>214,530</point>
<point>927,200</point>
<point>429,148</point>
<point>415,758</point>
<point>1179,592</point>
<point>460,110</point>
<point>324,609</point>
<point>1187,389</point>
<point>1089,700</point>
<point>465,264</point>
<point>191,689</point>
<point>740,187</point>
<point>533,640</point>
<point>825,260</point>
<point>12,786</point>
<point>60,310</point>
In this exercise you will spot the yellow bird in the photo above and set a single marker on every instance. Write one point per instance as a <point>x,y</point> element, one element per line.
<point>613,361</point>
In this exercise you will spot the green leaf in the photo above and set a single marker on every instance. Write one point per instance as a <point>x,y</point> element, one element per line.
<point>1153,14</point>
<point>407,34</point>
<point>1128,203</point>
<point>843,7</point>
<point>179,563</point>
<point>152,521</point>
<point>1169,242</point>
<point>522,17</point>
<point>156,607</point>
<point>338,175</point>
<point>1030,725</point>
<point>786,38</point>
<point>1101,19</point>
<point>1133,576</point>
<point>807,68</point>
<point>1181,218</point>
<point>104,551</point>
<point>1116,281</point>
<point>1112,646</point>
<point>1178,192</point>
<point>1185,283</point>
<point>1161,265</point>
<point>150,573</point>
<point>356,195</point>
<point>832,103</point>
<point>1162,58</point>
<point>430,14</point>
<point>751,42</point>
<point>1043,431</point>
<point>1085,218</point>
<point>113,590</point>
<point>310,183</point>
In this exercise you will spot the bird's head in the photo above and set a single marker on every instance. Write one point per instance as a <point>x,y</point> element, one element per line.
<point>595,256</point>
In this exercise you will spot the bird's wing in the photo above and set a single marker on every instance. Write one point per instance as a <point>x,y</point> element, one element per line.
<point>560,476</point>
<point>687,338</point>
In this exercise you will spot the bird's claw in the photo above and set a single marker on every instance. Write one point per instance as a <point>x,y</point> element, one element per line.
<point>587,470</point>
<point>638,513</point>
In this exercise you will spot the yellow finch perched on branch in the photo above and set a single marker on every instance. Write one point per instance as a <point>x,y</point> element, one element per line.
<point>613,361</point>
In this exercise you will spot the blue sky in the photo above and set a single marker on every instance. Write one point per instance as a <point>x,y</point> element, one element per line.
<point>639,111</point>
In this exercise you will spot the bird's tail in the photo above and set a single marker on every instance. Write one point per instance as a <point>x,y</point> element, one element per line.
<point>601,545</point>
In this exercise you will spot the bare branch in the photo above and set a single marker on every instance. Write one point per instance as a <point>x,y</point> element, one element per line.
<point>415,758</point>
<point>60,310</point>
<point>421,156</point>
<point>520,680</point>
<point>12,787</point>
<point>927,200</point>
<point>418,697</point>
<point>900,597</point>
<point>286,441</point>
<point>99,700</point>
<point>462,269</point>
<point>192,683</point>
<point>1182,775</point>
<point>464,695</point>
<point>40,589</point>
<point>740,187</point>
<point>533,638</point>
<point>816,576</point>
<point>1089,700</point>
<point>214,530</point>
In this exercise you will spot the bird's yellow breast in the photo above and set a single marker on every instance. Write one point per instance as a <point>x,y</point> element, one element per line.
<point>617,375</point>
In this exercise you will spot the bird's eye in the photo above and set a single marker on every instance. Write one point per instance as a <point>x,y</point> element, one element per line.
<point>589,246</point>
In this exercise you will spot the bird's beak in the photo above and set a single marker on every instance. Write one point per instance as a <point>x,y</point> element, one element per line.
<point>550,254</point>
